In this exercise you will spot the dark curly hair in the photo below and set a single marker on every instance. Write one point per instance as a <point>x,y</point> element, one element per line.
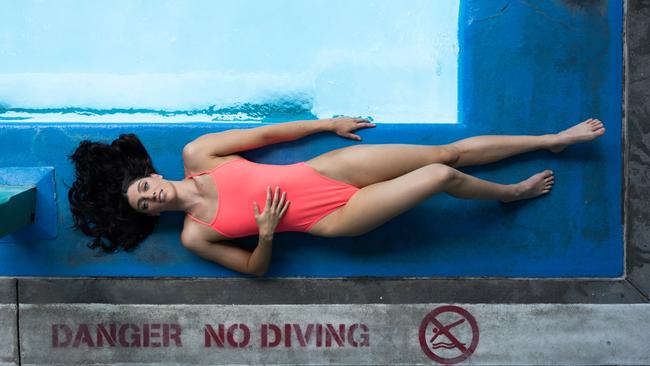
<point>98,195</point>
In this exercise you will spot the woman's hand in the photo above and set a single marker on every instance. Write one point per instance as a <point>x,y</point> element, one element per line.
<point>343,126</point>
<point>273,212</point>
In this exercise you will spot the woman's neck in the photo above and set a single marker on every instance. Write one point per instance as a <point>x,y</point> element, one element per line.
<point>188,196</point>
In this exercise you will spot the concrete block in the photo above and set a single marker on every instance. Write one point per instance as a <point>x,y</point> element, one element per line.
<point>484,334</point>
<point>324,291</point>
<point>9,337</point>
<point>8,325</point>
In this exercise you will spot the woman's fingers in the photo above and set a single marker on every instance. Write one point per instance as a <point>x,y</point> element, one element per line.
<point>275,198</point>
<point>284,209</point>
<point>277,202</point>
<point>268,197</point>
<point>281,201</point>
<point>363,122</point>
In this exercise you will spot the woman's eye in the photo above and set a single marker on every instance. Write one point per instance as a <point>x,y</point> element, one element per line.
<point>146,185</point>
<point>145,206</point>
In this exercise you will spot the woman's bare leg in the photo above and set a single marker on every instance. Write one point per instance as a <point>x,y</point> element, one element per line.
<point>375,204</point>
<point>362,165</point>
<point>487,149</point>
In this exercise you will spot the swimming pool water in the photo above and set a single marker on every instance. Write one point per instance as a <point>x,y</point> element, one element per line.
<point>227,60</point>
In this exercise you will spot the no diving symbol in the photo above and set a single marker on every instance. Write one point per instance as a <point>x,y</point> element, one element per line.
<point>437,334</point>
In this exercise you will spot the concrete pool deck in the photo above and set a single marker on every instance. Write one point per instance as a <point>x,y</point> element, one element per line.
<point>521,321</point>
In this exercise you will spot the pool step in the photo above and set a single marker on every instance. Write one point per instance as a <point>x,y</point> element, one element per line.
<point>17,205</point>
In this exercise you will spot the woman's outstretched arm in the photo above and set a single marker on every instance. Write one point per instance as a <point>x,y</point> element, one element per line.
<point>289,131</point>
<point>236,140</point>
<point>241,139</point>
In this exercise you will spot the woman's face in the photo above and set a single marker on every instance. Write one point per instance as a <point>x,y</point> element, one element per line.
<point>149,195</point>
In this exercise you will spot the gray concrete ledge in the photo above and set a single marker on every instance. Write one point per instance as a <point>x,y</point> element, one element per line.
<point>637,151</point>
<point>324,291</point>
<point>9,337</point>
<point>8,322</point>
<point>487,334</point>
<point>8,291</point>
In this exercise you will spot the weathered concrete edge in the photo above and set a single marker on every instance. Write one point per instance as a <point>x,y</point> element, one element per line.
<point>636,208</point>
<point>8,306</point>
<point>608,334</point>
<point>325,291</point>
<point>9,340</point>
<point>8,291</point>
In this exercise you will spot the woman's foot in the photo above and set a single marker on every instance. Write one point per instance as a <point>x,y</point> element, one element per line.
<point>584,131</point>
<point>536,185</point>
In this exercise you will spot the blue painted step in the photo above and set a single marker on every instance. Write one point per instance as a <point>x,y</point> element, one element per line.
<point>17,206</point>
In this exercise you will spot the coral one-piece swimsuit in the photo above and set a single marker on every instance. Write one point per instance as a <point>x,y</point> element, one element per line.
<point>241,182</point>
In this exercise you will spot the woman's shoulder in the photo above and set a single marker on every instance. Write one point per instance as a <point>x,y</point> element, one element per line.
<point>196,165</point>
<point>193,229</point>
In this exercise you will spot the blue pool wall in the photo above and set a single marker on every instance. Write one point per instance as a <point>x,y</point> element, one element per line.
<point>525,68</point>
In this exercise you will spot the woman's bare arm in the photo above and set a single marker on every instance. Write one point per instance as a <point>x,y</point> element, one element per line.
<point>236,140</point>
<point>231,256</point>
<point>232,141</point>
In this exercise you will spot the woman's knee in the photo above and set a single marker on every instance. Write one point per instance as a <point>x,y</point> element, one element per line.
<point>442,172</point>
<point>450,154</point>
<point>442,177</point>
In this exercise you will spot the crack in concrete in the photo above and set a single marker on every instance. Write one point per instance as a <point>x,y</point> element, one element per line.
<point>644,296</point>
<point>540,11</point>
<point>498,14</point>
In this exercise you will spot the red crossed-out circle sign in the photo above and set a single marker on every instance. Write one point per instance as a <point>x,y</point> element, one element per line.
<point>430,346</point>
